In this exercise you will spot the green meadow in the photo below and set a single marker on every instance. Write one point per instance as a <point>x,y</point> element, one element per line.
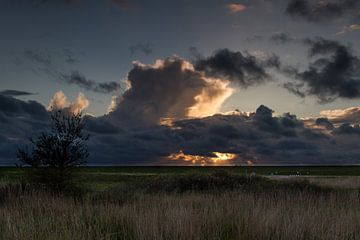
<point>245,203</point>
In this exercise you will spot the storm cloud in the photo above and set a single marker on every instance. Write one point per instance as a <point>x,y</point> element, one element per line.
<point>170,88</point>
<point>243,69</point>
<point>324,122</point>
<point>258,137</point>
<point>320,11</point>
<point>333,73</point>
<point>19,121</point>
<point>169,114</point>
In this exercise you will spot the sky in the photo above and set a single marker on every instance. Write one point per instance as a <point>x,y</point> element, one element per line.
<point>186,82</point>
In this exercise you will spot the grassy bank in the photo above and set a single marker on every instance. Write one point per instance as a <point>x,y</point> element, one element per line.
<point>187,206</point>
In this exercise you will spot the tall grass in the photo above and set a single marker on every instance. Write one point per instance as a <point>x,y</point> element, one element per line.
<point>232,213</point>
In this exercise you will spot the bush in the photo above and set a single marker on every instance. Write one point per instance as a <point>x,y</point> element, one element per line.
<point>55,155</point>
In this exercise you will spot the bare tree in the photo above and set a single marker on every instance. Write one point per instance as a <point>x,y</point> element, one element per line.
<point>56,154</point>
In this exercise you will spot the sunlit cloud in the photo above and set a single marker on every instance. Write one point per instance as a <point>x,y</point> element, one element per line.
<point>80,104</point>
<point>218,158</point>
<point>235,7</point>
<point>347,29</point>
<point>170,88</point>
<point>115,100</point>
<point>340,116</point>
<point>59,102</point>
<point>211,98</point>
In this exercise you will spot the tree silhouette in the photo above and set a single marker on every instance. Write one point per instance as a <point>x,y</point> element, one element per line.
<point>56,154</point>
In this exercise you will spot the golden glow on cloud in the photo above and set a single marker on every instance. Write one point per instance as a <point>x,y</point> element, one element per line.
<point>115,100</point>
<point>224,156</point>
<point>60,101</point>
<point>235,7</point>
<point>339,113</point>
<point>167,122</point>
<point>351,28</point>
<point>220,158</point>
<point>211,98</point>
<point>80,103</point>
<point>207,102</point>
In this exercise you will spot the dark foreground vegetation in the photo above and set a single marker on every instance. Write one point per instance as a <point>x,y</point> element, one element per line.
<point>213,204</point>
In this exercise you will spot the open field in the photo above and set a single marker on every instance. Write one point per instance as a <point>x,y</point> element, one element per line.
<point>187,203</point>
<point>110,176</point>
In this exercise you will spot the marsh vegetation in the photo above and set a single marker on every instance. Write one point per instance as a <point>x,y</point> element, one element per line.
<point>202,205</point>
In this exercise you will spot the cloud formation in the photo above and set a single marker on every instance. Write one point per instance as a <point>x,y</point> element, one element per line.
<point>169,114</point>
<point>170,88</point>
<point>19,121</point>
<point>334,72</point>
<point>244,69</point>
<point>350,28</point>
<point>323,10</point>
<point>281,38</point>
<point>77,78</point>
<point>235,138</point>
<point>15,93</point>
<point>234,8</point>
<point>324,122</point>
<point>343,116</point>
<point>60,102</point>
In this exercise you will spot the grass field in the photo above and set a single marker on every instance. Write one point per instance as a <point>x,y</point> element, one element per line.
<point>187,203</point>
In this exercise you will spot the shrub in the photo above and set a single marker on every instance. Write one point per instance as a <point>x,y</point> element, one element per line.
<point>56,155</point>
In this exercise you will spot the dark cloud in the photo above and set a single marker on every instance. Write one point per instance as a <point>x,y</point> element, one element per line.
<point>347,129</point>
<point>321,11</point>
<point>294,88</point>
<point>243,69</point>
<point>324,122</point>
<point>145,48</point>
<point>281,38</point>
<point>15,107</point>
<point>259,137</point>
<point>10,92</point>
<point>284,125</point>
<point>77,78</point>
<point>19,121</point>
<point>334,72</point>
